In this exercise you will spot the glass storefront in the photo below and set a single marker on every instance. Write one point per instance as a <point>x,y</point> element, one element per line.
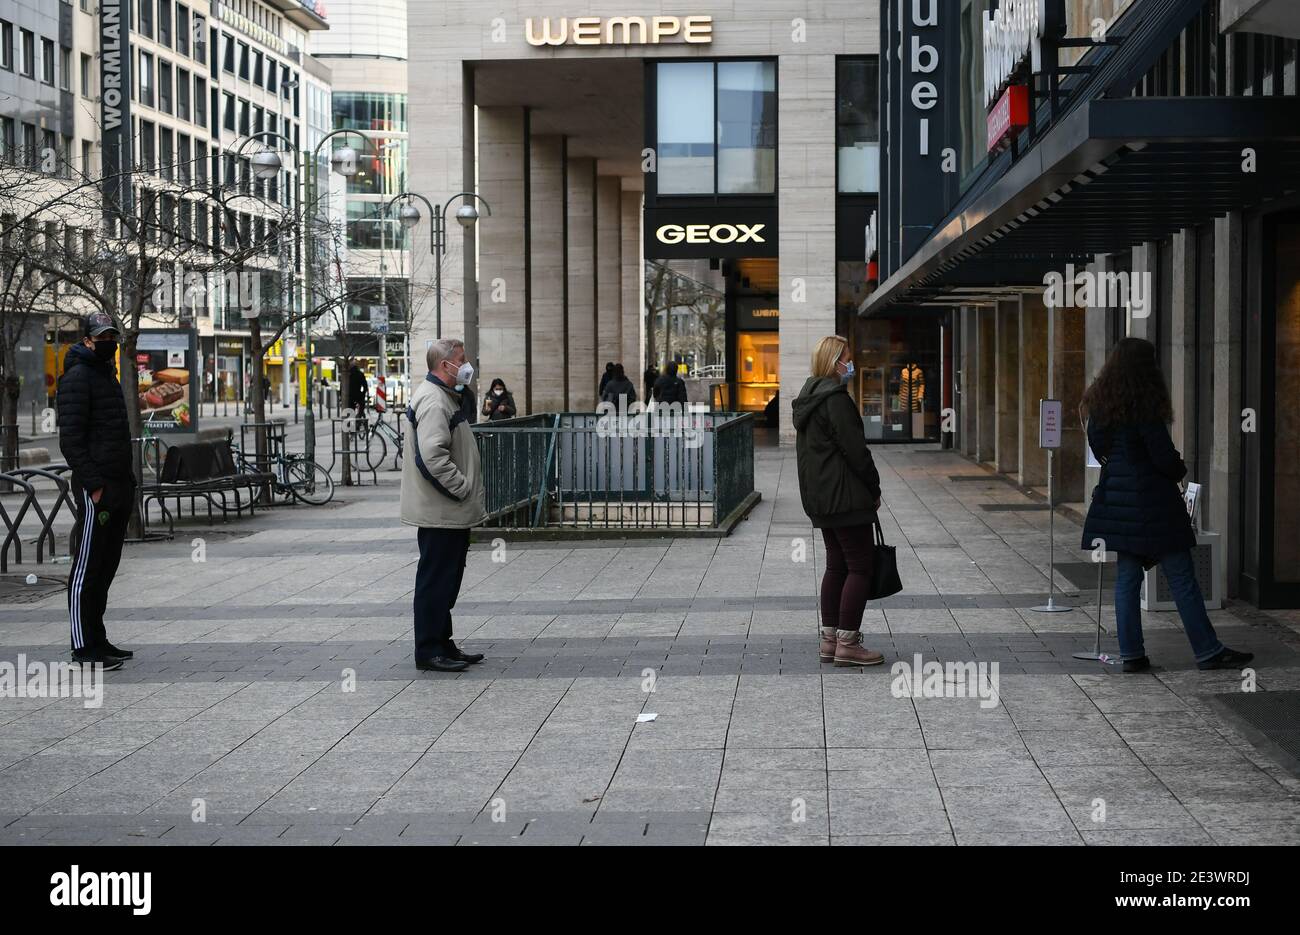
<point>898,382</point>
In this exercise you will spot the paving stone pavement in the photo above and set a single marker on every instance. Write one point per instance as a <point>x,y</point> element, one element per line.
<point>273,698</point>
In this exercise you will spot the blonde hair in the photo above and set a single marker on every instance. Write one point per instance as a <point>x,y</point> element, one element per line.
<point>826,354</point>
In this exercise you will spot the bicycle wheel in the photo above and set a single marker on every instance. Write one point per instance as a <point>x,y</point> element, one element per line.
<point>376,450</point>
<point>309,482</point>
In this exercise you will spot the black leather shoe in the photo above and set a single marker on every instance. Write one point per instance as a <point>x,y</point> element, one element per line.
<point>96,657</point>
<point>455,652</point>
<point>1226,659</point>
<point>108,649</point>
<point>1140,664</point>
<point>441,664</point>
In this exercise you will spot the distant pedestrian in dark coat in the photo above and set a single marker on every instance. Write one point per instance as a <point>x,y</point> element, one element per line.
<point>669,387</point>
<point>1137,510</point>
<point>498,404</point>
<point>605,378</point>
<point>619,390</point>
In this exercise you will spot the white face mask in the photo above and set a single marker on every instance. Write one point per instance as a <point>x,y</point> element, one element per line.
<point>464,374</point>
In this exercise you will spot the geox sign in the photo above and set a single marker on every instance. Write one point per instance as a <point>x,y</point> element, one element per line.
<point>115,104</point>
<point>618,30</point>
<point>676,233</point>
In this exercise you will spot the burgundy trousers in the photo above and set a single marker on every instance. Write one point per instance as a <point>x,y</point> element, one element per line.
<point>850,551</point>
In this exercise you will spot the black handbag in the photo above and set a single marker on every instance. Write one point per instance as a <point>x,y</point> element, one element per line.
<point>884,567</point>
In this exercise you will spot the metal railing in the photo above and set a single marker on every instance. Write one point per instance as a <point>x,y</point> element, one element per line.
<point>577,470</point>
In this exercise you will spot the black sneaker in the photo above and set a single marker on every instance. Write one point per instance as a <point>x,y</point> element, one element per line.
<point>1226,659</point>
<point>1140,664</point>
<point>455,652</point>
<point>96,657</point>
<point>108,649</point>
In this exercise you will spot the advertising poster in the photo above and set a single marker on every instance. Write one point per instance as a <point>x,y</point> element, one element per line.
<point>166,364</point>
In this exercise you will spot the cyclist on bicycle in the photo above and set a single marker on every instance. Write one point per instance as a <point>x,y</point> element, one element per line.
<point>358,390</point>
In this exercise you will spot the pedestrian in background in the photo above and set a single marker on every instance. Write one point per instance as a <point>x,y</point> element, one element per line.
<point>442,494</point>
<point>1137,510</point>
<point>498,404</point>
<point>619,390</point>
<point>95,440</point>
<point>605,378</point>
<point>669,387</point>
<point>648,380</point>
<point>840,489</point>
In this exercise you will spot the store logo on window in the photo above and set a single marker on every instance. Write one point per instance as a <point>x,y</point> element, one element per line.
<point>618,30</point>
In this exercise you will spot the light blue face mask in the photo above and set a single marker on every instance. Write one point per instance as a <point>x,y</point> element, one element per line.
<point>847,375</point>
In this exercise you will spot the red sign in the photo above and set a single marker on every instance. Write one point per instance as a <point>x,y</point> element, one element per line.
<point>1009,116</point>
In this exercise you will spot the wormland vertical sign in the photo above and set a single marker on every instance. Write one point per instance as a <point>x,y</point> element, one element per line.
<point>117,157</point>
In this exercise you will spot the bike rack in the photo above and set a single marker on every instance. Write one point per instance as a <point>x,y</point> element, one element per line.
<point>345,430</point>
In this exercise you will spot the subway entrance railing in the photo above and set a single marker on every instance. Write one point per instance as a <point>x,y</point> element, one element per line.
<point>661,471</point>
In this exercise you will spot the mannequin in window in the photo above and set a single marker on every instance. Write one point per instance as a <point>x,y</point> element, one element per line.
<point>911,386</point>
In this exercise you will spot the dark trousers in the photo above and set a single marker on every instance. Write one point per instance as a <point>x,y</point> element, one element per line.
<point>97,537</point>
<point>850,551</point>
<point>437,582</point>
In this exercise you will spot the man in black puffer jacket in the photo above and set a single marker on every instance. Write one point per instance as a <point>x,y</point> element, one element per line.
<point>95,439</point>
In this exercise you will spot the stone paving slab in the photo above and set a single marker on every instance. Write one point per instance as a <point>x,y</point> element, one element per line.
<point>273,695</point>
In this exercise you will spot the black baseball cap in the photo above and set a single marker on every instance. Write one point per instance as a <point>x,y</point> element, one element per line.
<point>97,323</point>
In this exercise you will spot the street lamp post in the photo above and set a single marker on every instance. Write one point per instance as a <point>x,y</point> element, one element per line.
<point>466,216</point>
<point>344,162</point>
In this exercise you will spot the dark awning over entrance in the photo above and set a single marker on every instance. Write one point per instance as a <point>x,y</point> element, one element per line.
<point>1111,175</point>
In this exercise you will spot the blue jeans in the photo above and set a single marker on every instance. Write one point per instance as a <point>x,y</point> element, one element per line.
<point>1187,595</point>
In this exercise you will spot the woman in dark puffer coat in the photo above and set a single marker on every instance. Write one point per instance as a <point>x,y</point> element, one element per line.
<point>1137,510</point>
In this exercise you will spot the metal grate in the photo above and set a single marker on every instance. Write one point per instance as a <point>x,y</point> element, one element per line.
<point>1270,721</point>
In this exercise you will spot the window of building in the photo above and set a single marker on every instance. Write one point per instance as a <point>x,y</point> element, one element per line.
<point>164,21</point>
<point>9,138</point>
<point>716,126</point>
<point>87,158</point>
<point>148,153</point>
<point>182,29</point>
<point>49,147</point>
<point>244,126</point>
<point>228,59</point>
<point>165,87</point>
<point>30,152</point>
<point>243,60</point>
<point>86,71</point>
<point>257,68</point>
<point>184,159</point>
<point>28,53</point>
<point>685,127</point>
<point>146,18</point>
<point>369,111</point>
<point>65,69</point>
<point>200,39</point>
<point>857,124</point>
<point>228,105</point>
<point>6,45</point>
<point>166,153</point>
<point>146,78</point>
<point>200,163</point>
<point>182,94</point>
<point>200,101</point>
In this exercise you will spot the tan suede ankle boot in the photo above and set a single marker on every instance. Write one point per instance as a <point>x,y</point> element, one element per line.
<point>849,650</point>
<point>827,650</point>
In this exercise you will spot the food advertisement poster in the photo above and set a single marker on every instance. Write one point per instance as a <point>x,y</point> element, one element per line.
<point>165,364</point>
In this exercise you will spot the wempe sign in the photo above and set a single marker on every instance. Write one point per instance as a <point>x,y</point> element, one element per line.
<point>1013,35</point>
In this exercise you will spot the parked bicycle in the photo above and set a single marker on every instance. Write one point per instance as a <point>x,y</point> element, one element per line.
<point>375,439</point>
<point>296,476</point>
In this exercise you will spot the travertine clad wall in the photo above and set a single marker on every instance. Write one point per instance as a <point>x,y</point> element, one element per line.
<point>805,37</point>
<point>580,340</point>
<point>501,254</point>
<point>609,270</point>
<point>547,273</point>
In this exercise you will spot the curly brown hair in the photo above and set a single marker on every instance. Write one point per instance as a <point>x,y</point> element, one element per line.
<point>1130,388</point>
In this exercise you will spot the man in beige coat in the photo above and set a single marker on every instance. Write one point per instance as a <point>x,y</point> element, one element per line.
<point>442,494</point>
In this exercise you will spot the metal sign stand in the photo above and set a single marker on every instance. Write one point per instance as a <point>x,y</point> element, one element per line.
<point>1051,607</point>
<point>1097,655</point>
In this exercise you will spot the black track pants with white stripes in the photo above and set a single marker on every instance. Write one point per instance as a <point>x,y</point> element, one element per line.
<point>97,538</point>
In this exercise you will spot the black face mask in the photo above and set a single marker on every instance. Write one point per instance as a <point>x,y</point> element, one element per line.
<point>105,350</point>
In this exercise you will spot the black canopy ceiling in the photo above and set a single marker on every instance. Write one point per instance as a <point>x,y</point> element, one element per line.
<point>1112,174</point>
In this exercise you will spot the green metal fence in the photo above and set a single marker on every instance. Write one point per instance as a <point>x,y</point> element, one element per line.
<point>583,470</point>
